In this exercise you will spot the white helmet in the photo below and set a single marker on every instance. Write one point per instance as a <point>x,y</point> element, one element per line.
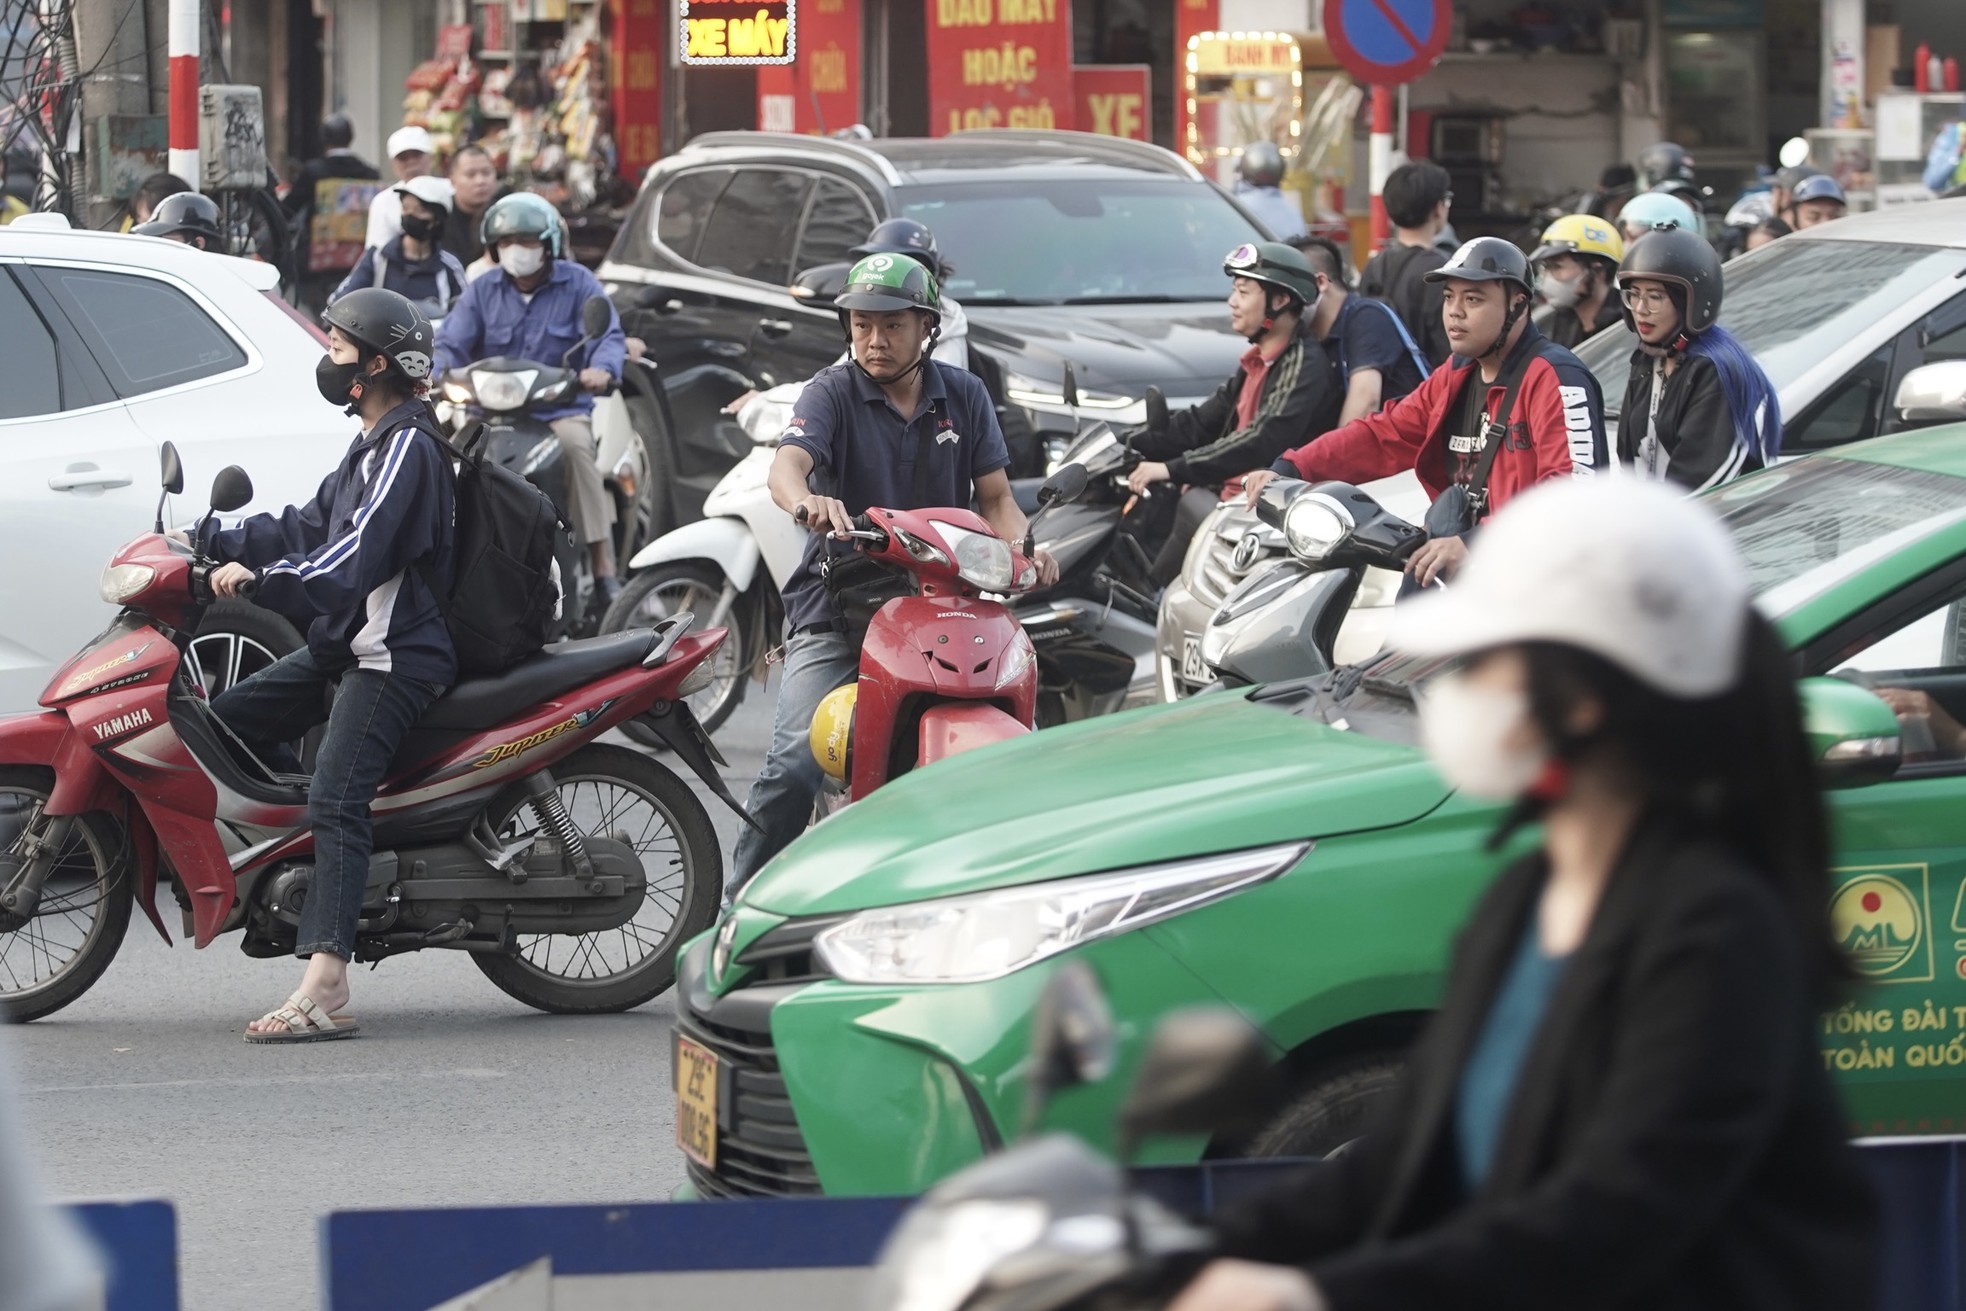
<point>1622,567</point>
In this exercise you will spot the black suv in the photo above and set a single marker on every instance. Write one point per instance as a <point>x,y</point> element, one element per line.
<point>1064,246</point>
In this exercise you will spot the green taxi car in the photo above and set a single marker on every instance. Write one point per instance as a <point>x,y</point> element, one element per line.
<point>858,1022</point>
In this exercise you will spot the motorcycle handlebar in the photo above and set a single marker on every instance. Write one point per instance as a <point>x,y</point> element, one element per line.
<point>201,584</point>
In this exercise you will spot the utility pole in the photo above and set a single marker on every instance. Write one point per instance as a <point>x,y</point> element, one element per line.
<point>115,72</point>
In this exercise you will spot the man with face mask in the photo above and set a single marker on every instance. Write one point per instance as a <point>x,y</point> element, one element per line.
<point>1508,410</point>
<point>530,308</point>
<point>1575,267</point>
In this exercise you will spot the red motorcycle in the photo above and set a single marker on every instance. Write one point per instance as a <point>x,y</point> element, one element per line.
<point>943,670</point>
<point>570,870</point>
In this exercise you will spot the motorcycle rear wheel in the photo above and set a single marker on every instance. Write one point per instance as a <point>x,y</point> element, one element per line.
<point>613,792</point>
<point>57,955</point>
<point>666,589</point>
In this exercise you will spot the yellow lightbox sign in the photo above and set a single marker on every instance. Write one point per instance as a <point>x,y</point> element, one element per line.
<point>739,31</point>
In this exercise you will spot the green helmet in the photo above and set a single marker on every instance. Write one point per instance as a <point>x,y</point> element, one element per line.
<point>1276,265</point>
<point>522,214</point>
<point>883,283</point>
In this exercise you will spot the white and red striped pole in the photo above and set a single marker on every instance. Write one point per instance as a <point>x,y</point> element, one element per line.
<point>185,17</point>
<point>1381,162</point>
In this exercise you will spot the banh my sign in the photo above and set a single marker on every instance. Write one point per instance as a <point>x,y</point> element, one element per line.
<point>739,31</point>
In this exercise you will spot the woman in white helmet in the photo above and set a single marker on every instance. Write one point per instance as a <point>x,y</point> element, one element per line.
<point>1621,1102</point>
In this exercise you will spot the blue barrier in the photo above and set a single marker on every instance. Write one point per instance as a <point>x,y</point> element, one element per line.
<point>138,1243</point>
<point>412,1260</point>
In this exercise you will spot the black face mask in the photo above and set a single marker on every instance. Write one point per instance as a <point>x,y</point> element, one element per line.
<point>416,225</point>
<point>337,380</point>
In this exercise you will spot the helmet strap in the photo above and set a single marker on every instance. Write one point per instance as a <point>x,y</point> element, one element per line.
<point>1501,342</point>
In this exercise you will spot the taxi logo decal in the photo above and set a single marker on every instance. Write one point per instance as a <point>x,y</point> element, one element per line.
<point>1881,923</point>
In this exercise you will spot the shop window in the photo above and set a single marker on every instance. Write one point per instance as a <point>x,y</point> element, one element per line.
<point>684,210</point>
<point>750,235</point>
<point>1849,412</point>
<point>146,334</point>
<point>30,384</point>
<point>837,221</point>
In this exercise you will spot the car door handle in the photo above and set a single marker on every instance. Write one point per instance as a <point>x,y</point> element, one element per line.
<point>87,475</point>
<point>775,327</point>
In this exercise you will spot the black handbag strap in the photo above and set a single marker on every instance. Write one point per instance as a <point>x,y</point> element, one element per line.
<point>1495,431</point>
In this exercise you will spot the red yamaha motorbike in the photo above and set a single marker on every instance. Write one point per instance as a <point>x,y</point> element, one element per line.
<point>942,671</point>
<point>570,870</point>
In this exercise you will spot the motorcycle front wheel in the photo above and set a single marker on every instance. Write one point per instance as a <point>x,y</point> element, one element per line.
<point>670,588</point>
<point>611,792</point>
<point>53,956</point>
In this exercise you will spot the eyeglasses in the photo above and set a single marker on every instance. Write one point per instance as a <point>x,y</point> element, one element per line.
<point>1644,298</point>
<point>1245,256</point>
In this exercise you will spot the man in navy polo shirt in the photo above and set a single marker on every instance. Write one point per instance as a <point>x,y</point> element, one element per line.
<point>859,431</point>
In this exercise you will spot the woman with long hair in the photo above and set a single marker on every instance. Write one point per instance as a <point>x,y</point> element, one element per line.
<point>1698,409</point>
<point>1621,1102</point>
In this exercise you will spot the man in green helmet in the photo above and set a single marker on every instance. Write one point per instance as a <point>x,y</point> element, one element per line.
<point>1287,385</point>
<point>890,427</point>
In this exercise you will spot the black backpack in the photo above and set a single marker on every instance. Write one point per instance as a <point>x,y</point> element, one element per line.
<point>505,596</point>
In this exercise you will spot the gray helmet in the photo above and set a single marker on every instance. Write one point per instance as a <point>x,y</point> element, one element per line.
<point>1664,161</point>
<point>383,322</point>
<point>1262,165</point>
<point>1687,264</point>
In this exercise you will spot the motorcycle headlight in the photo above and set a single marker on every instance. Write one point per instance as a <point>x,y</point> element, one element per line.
<point>456,392</point>
<point>1050,396</point>
<point>1315,525</point>
<point>940,1254</point>
<point>983,560</point>
<point>120,582</point>
<point>1015,660</point>
<point>503,391</point>
<point>980,936</point>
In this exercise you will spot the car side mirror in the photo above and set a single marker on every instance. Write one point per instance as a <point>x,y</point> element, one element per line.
<point>1064,486</point>
<point>1206,1071</point>
<point>1853,736</point>
<point>821,285</point>
<point>1157,420</point>
<point>596,317</point>
<point>173,468</point>
<point>232,489</point>
<point>1933,393</point>
<point>1073,1038</point>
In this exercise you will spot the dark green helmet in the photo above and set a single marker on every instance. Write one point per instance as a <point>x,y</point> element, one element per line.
<point>1275,265</point>
<point>884,283</point>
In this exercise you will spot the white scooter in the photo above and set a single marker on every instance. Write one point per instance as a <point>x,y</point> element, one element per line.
<point>711,568</point>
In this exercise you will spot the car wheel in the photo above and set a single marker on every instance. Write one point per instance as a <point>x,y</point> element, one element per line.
<point>236,640</point>
<point>1331,1111</point>
<point>663,590</point>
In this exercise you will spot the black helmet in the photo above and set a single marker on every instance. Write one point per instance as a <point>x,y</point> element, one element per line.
<point>383,322</point>
<point>1261,165</point>
<point>1485,259</point>
<point>902,236</point>
<point>337,132</point>
<point>1682,260</point>
<point>185,212</point>
<point>1277,265</point>
<point>1663,162</point>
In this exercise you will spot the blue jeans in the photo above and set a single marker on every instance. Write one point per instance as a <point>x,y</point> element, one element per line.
<point>371,712</point>
<point>781,800</point>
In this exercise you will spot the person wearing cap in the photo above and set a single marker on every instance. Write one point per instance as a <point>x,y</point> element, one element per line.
<point>187,218</point>
<point>1815,200</point>
<point>1655,209</point>
<point>893,427</point>
<point>1259,189</point>
<point>1286,383</point>
<point>1699,411</point>
<point>1622,1100</point>
<point>1507,385</point>
<point>409,157</point>
<point>1574,269</point>
<point>414,263</point>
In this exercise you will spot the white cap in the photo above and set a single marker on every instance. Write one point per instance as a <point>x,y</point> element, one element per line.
<point>430,190</point>
<point>406,139</point>
<point>1622,567</point>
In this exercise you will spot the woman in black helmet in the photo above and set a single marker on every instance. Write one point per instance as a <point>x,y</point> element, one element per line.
<point>1698,409</point>
<point>186,217</point>
<point>360,558</point>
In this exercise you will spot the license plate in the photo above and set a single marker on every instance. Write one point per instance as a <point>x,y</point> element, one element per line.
<point>1193,667</point>
<point>696,1102</point>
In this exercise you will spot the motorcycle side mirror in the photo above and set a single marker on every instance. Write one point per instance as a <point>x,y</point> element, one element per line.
<point>596,317</point>
<point>173,468</point>
<point>1073,1037</point>
<point>1157,419</point>
<point>1206,1071</point>
<point>232,489</point>
<point>1064,486</point>
<point>1069,388</point>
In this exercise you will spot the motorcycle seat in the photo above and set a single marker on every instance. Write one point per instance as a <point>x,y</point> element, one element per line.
<point>560,667</point>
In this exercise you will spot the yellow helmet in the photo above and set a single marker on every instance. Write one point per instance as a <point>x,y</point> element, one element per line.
<point>832,731</point>
<point>1581,234</point>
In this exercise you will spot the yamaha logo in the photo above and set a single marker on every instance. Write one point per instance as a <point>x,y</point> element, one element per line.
<point>1248,551</point>
<point>720,952</point>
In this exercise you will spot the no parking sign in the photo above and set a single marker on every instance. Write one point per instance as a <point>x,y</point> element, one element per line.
<point>1387,42</point>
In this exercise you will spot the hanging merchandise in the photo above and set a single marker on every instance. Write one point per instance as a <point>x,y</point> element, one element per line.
<point>442,92</point>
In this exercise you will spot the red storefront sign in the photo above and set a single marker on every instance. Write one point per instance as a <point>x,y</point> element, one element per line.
<point>820,91</point>
<point>1114,99</point>
<point>999,63</point>
<point>635,56</point>
<point>1190,17</point>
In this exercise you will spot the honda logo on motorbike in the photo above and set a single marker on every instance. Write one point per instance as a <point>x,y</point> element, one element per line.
<point>121,724</point>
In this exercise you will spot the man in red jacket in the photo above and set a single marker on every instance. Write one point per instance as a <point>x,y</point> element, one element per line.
<point>1553,427</point>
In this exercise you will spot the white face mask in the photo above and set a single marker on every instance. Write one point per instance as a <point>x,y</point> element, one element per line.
<point>1558,293</point>
<point>1465,730</point>
<point>521,261</point>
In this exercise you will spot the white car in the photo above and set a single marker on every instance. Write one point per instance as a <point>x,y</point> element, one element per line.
<point>109,346</point>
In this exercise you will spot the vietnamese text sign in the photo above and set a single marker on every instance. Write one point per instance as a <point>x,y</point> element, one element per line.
<point>635,82</point>
<point>999,63</point>
<point>820,90</point>
<point>739,31</point>
<point>1113,99</point>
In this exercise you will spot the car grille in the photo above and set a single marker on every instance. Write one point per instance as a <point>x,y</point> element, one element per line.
<point>761,1152</point>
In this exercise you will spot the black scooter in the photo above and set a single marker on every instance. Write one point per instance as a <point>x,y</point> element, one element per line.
<point>1284,622</point>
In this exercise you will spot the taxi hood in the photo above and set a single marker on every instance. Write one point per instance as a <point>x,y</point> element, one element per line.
<point>1215,773</point>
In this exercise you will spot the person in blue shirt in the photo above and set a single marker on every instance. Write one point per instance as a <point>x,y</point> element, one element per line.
<point>1259,187</point>
<point>530,308</point>
<point>413,263</point>
<point>1378,359</point>
<point>856,437</point>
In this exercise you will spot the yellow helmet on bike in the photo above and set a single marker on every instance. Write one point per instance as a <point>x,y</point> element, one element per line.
<point>1581,234</point>
<point>831,735</point>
